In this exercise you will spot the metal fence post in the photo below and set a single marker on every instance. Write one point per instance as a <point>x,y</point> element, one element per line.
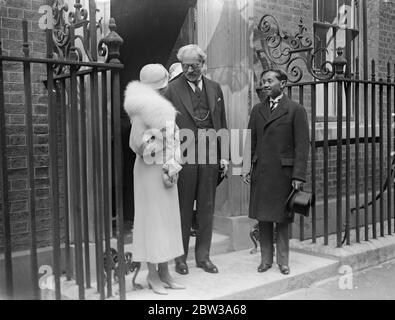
<point>339,64</point>
<point>113,42</point>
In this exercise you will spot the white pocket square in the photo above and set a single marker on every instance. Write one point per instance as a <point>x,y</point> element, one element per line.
<point>219,99</point>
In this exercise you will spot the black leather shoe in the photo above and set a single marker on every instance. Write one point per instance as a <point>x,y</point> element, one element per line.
<point>263,267</point>
<point>284,269</point>
<point>182,268</point>
<point>207,266</point>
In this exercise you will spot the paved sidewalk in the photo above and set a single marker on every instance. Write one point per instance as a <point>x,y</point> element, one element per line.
<point>376,283</point>
<point>238,279</point>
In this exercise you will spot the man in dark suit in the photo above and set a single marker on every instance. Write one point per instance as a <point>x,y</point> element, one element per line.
<point>200,104</point>
<point>279,154</point>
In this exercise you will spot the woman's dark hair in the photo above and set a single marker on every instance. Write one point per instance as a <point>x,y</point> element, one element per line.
<point>280,75</point>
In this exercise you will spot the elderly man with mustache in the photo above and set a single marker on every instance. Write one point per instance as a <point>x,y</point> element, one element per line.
<point>200,105</point>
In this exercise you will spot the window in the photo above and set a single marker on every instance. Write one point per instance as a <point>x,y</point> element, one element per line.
<point>336,24</point>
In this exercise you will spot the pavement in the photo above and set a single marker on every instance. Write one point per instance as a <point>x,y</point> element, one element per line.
<point>359,271</point>
<point>375,283</point>
<point>237,279</point>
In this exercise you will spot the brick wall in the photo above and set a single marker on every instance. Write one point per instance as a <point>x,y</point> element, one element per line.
<point>386,41</point>
<point>11,14</point>
<point>381,36</point>
<point>288,12</point>
<point>373,33</point>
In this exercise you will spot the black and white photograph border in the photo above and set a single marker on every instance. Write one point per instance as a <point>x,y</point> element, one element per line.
<point>212,151</point>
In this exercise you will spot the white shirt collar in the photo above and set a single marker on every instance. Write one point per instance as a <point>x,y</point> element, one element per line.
<point>277,99</point>
<point>200,84</point>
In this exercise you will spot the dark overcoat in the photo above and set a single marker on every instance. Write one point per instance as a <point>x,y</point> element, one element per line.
<point>279,154</point>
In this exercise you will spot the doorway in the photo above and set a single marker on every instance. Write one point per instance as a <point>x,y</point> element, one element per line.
<point>152,31</point>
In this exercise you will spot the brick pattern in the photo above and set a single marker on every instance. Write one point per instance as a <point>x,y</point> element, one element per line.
<point>11,14</point>
<point>288,12</point>
<point>386,37</point>
<point>373,33</point>
<point>332,171</point>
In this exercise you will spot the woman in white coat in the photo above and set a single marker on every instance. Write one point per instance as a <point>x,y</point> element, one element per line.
<point>154,138</point>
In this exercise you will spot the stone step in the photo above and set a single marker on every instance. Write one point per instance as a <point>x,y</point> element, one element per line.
<point>357,255</point>
<point>219,244</point>
<point>237,279</point>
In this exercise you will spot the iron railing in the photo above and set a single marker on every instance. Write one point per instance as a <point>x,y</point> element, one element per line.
<point>344,113</point>
<point>351,155</point>
<point>82,97</point>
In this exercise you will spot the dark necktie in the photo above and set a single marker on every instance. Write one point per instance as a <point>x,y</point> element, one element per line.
<point>197,89</point>
<point>273,105</point>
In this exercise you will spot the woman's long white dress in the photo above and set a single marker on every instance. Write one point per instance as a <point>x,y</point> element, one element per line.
<point>157,228</point>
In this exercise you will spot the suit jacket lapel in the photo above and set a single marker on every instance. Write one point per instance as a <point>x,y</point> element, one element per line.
<point>264,110</point>
<point>281,110</point>
<point>183,92</point>
<point>210,93</point>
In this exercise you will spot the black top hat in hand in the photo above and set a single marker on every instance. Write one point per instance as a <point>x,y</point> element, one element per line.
<point>300,202</point>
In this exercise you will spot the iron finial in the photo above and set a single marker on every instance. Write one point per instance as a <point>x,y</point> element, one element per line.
<point>339,63</point>
<point>113,43</point>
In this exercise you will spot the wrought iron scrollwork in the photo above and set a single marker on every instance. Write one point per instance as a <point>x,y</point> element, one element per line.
<point>294,53</point>
<point>60,34</point>
<point>62,37</point>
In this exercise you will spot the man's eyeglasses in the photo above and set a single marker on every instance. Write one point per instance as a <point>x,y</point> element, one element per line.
<point>194,66</point>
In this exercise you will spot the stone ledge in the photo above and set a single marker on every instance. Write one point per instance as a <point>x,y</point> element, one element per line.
<point>358,255</point>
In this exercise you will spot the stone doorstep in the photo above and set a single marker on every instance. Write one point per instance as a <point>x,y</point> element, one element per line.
<point>220,244</point>
<point>358,255</point>
<point>237,279</point>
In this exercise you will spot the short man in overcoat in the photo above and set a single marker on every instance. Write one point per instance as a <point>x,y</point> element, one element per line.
<point>200,104</point>
<point>279,154</point>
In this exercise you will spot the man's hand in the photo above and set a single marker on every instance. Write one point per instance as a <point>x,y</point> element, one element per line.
<point>297,184</point>
<point>246,178</point>
<point>224,165</point>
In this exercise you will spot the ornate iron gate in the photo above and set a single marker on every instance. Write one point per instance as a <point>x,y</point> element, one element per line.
<point>84,131</point>
<point>352,144</point>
